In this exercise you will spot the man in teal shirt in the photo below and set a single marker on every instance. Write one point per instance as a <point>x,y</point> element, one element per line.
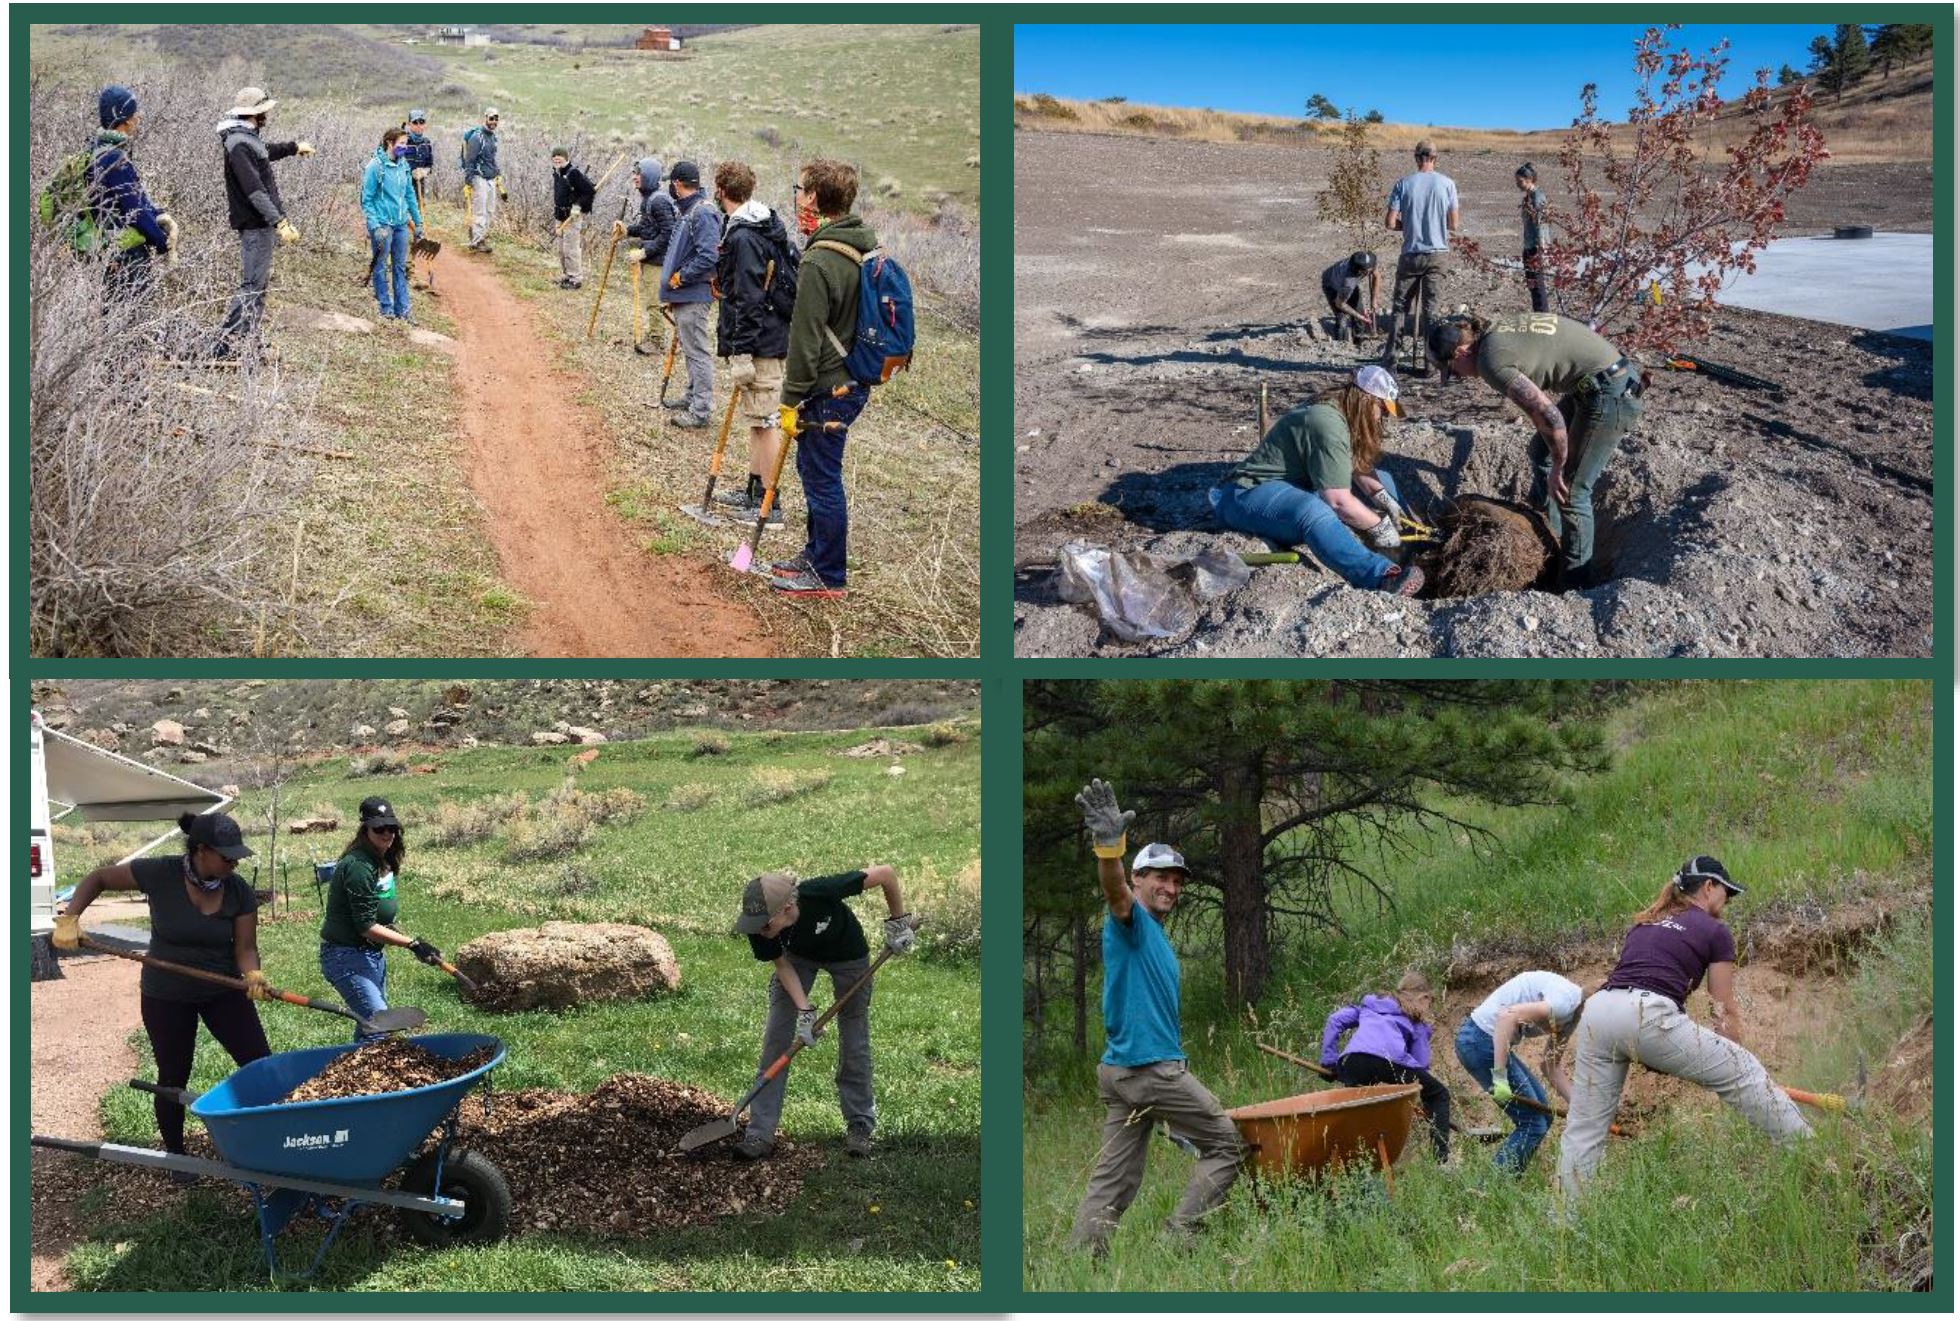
<point>1143,1077</point>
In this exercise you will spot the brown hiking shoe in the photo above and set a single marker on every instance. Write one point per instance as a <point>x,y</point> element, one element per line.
<point>858,1143</point>
<point>1404,580</point>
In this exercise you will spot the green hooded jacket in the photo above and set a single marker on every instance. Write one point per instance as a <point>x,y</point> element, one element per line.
<point>826,295</point>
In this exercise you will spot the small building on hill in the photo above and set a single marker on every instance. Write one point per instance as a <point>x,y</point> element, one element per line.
<point>657,39</point>
<point>462,37</point>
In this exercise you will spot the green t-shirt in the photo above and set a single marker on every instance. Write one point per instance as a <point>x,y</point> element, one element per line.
<point>360,895</point>
<point>826,929</point>
<point>1554,353</point>
<point>1308,447</point>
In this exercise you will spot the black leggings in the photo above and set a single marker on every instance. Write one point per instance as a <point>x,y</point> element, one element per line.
<point>172,1025</point>
<point>1371,1070</point>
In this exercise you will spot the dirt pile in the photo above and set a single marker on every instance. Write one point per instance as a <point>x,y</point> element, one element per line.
<point>562,964</point>
<point>1904,1087</point>
<point>608,1163</point>
<point>1489,547</point>
<point>385,1066</point>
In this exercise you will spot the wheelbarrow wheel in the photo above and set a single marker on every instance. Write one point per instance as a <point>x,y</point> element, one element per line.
<point>470,1178</point>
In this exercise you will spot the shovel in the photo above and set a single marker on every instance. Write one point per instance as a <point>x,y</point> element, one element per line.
<point>744,554</point>
<point>465,982</point>
<point>704,512</point>
<point>388,1020</point>
<point>717,1129</point>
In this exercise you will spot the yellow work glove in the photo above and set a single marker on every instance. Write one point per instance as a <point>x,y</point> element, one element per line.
<point>502,191</point>
<point>287,233</point>
<point>256,986</point>
<point>674,280</point>
<point>787,420</point>
<point>67,932</point>
<point>303,148</point>
<point>618,230</point>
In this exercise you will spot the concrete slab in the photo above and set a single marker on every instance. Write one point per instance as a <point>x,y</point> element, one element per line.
<point>1881,283</point>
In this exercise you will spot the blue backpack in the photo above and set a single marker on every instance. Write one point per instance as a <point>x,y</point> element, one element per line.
<point>882,345</point>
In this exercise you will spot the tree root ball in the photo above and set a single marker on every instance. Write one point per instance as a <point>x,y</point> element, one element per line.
<point>1490,546</point>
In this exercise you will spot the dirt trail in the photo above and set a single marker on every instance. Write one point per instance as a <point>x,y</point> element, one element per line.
<point>79,1050</point>
<point>537,464</point>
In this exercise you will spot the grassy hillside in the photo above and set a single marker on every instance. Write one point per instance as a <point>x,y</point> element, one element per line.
<point>709,820</point>
<point>1818,796</point>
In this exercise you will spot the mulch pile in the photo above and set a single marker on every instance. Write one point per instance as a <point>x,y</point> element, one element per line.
<point>608,1163</point>
<point>1488,547</point>
<point>385,1066</point>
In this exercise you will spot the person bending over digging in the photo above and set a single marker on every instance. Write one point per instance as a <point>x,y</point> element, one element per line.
<point>1640,1014</point>
<point>1313,482</point>
<point>1143,1077</point>
<point>1352,287</point>
<point>363,903</point>
<point>1390,1044</point>
<point>1528,357</point>
<point>1531,1004</point>
<point>203,915</point>
<point>804,928</point>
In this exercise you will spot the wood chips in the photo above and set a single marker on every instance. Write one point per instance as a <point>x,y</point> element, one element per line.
<point>385,1066</point>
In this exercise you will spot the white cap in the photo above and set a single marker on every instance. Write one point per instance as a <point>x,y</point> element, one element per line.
<point>1159,857</point>
<point>490,112</point>
<point>1377,382</point>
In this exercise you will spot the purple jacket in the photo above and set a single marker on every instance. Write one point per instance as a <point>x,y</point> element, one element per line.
<point>1380,1028</point>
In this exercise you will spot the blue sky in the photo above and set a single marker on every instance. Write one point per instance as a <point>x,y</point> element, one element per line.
<point>1470,76</point>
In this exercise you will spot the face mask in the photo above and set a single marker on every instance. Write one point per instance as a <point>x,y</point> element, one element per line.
<point>400,151</point>
<point>208,886</point>
<point>807,219</point>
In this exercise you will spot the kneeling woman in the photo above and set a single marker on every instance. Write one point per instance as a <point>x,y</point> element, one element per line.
<point>362,906</point>
<point>1299,488</point>
<point>1531,1004</point>
<point>1390,1044</point>
<point>1640,1014</point>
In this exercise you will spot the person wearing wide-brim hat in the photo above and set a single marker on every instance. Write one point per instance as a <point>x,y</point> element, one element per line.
<point>804,928</point>
<point>255,209</point>
<point>363,904</point>
<point>1639,1015</point>
<point>203,915</point>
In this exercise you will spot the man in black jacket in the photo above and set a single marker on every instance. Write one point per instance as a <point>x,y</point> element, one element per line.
<point>571,199</point>
<point>421,156</point>
<point>252,197</point>
<point>756,273</point>
<point>652,227</point>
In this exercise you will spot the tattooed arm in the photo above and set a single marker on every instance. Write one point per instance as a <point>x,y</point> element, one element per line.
<point>1544,415</point>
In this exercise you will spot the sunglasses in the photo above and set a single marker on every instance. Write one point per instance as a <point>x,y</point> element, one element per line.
<point>386,830</point>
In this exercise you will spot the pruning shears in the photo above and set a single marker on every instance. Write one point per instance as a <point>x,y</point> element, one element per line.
<point>1416,530</point>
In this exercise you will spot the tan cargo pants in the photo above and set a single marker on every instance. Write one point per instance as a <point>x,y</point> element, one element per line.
<point>1620,1027</point>
<point>1136,1100</point>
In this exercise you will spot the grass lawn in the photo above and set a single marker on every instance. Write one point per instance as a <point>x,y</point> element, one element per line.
<point>711,819</point>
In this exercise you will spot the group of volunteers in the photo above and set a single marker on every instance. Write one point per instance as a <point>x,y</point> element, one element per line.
<point>1313,480</point>
<point>203,915</point>
<point>1637,1014</point>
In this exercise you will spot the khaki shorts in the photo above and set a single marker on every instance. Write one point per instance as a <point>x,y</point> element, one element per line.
<point>757,403</point>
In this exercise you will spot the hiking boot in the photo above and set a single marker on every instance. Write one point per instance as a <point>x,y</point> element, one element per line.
<point>646,348</point>
<point>806,583</point>
<point>693,422</point>
<point>752,1147</point>
<point>676,405</point>
<point>1404,580</point>
<point>790,568</point>
<point>1577,580</point>
<point>858,1144</point>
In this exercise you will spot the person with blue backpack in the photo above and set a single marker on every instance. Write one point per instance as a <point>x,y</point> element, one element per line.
<point>686,277</point>
<point>850,329</point>
<point>390,208</point>
<point>483,178</point>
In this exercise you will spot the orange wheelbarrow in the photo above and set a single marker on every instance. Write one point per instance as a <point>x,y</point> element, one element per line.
<point>1308,1134</point>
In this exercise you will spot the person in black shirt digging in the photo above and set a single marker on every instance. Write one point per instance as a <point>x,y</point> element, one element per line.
<point>804,928</point>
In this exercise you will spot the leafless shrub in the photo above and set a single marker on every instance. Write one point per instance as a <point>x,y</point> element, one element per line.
<point>710,744</point>
<point>377,763</point>
<point>551,832</point>
<point>688,798</point>
<point>775,784</point>
<point>451,824</point>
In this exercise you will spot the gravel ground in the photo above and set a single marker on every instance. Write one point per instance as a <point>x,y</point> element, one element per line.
<point>1721,534</point>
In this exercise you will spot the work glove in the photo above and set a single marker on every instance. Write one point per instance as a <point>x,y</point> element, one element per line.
<point>169,227</point>
<point>1500,1091</point>
<point>427,953</point>
<point>674,280</point>
<point>303,148</point>
<point>899,935</point>
<point>806,1026</point>
<point>256,986</point>
<point>68,932</point>
<point>636,255</point>
<point>577,211</point>
<point>419,172</point>
<point>1383,536</point>
<point>287,233</point>
<point>741,370</point>
<point>1108,825</point>
<point>502,191</point>
<point>1389,505</point>
<point>788,420</point>
<point>619,229</point>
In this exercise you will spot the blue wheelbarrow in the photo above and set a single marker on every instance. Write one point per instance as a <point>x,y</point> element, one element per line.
<point>333,1156</point>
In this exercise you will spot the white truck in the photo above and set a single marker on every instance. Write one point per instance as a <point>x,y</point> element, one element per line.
<point>70,776</point>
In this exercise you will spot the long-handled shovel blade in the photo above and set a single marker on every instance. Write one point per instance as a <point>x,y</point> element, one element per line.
<point>405,1019</point>
<point>704,516</point>
<point>712,1131</point>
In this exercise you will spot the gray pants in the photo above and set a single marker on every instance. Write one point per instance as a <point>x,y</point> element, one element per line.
<point>483,208</point>
<point>1595,423</point>
<point>691,324</point>
<point>248,304</point>
<point>571,251</point>
<point>1136,1100</point>
<point>1416,272</point>
<point>852,1028</point>
<point>1620,1027</point>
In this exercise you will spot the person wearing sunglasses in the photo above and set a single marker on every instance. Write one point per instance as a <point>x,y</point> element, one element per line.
<point>363,904</point>
<point>1640,1014</point>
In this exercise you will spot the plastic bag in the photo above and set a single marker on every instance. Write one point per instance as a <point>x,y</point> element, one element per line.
<point>1139,595</point>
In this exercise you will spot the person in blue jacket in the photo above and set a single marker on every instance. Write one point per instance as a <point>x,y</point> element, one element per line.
<point>1389,1043</point>
<point>389,206</point>
<point>692,252</point>
<point>138,231</point>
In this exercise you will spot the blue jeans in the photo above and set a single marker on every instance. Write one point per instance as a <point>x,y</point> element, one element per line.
<point>388,247</point>
<point>361,977</point>
<point>820,467</point>
<point>1477,1053</point>
<point>1294,516</point>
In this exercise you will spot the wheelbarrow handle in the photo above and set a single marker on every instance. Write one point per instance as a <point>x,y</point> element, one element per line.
<point>183,1096</point>
<point>93,1150</point>
<point>1301,1060</point>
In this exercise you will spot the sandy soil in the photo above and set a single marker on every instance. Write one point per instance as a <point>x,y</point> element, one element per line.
<point>1159,284</point>
<point>537,465</point>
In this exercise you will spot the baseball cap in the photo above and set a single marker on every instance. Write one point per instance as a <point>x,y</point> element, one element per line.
<point>376,812</point>
<point>1377,382</point>
<point>1703,867</point>
<point>490,112</point>
<point>418,116</point>
<point>1425,150</point>
<point>1159,857</point>
<point>686,172</point>
<point>763,899</point>
<point>219,833</point>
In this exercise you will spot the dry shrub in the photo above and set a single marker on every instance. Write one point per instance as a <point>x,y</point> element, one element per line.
<point>1490,547</point>
<point>709,743</point>
<point>550,832</point>
<point>952,911</point>
<point>945,734</point>
<point>377,763</point>
<point>776,785</point>
<point>688,798</point>
<point>612,807</point>
<point>451,824</point>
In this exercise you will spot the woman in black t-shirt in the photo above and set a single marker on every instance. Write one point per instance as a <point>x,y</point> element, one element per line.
<point>202,915</point>
<point>1640,1014</point>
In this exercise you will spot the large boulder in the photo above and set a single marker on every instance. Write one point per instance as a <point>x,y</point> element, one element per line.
<point>167,734</point>
<point>561,964</point>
